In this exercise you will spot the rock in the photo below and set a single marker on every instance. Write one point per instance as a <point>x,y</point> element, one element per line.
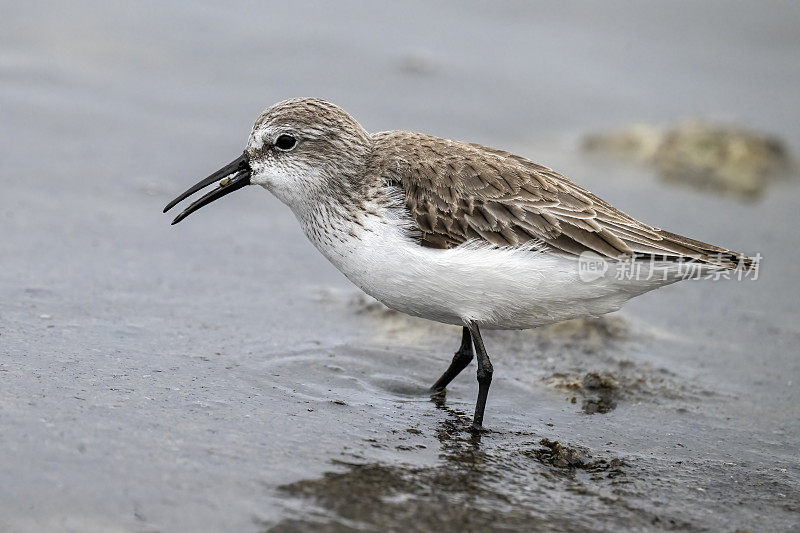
<point>708,156</point>
<point>720,158</point>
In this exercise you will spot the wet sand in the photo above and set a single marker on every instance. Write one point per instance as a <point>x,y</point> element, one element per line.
<point>220,375</point>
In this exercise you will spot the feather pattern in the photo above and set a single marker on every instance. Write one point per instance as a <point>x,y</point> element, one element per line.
<point>456,192</point>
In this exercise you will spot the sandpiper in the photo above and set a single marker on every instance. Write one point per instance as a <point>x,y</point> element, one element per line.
<point>452,231</point>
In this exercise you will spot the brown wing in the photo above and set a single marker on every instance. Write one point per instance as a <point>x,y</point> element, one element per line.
<point>456,191</point>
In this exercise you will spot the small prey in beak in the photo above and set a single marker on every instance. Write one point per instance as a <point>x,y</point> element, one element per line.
<point>231,177</point>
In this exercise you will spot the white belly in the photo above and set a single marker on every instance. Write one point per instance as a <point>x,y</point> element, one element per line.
<point>496,288</point>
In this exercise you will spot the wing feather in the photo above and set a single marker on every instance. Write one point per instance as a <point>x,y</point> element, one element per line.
<point>457,191</point>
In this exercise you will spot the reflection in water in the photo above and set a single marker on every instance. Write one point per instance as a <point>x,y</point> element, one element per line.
<point>483,480</point>
<point>515,480</point>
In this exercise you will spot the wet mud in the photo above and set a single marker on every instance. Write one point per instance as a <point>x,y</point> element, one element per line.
<point>482,481</point>
<point>598,391</point>
<point>517,481</point>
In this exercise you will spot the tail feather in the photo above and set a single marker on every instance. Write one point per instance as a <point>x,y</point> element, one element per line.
<point>692,250</point>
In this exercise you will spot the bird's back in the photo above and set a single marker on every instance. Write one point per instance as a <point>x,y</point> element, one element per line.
<point>457,192</point>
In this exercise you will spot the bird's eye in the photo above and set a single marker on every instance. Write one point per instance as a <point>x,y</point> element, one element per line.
<point>285,142</point>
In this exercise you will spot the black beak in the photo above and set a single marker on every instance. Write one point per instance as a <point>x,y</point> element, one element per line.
<point>231,177</point>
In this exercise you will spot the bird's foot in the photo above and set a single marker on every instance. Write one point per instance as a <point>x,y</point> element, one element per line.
<point>438,397</point>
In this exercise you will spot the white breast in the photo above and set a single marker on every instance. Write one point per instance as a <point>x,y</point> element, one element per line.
<point>496,288</point>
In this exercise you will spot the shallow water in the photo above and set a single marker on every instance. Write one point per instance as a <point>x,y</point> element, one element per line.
<point>221,375</point>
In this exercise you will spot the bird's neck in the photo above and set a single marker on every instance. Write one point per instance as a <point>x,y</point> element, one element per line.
<point>339,217</point>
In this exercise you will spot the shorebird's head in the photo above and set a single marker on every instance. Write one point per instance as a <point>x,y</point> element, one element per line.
<point>298,149</point>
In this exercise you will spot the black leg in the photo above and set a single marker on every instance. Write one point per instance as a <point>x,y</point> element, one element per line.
<point>484,376</point>
<point>460,361</point>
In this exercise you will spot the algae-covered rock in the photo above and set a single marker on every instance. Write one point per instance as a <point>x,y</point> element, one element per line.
<point>638,143</point>
<point>721,158</point>
<point>708,156</point>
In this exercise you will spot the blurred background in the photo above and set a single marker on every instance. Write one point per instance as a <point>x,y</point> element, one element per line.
<point>220,375</point>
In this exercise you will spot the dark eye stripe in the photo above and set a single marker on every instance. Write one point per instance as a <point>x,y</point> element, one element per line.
<point>285,142</point>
